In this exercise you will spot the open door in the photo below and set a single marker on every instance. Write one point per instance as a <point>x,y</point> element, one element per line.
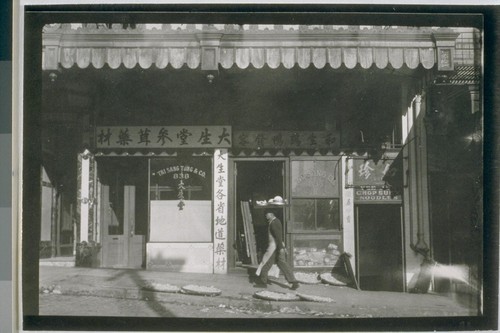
<point>123,216</point>
<point>257,180</point>
<point>379,247</point>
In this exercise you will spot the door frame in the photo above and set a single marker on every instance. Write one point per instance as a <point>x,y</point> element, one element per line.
<point>128,235</point>
<point>233,174</point>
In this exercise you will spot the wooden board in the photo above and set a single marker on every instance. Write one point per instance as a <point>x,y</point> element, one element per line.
<point>249,231</point>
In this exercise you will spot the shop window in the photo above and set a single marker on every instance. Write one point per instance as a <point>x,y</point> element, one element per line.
<point>315,195</point>
<point>315,214</point>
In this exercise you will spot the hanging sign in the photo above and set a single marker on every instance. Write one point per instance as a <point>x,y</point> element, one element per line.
<point>286,139</point>
<point>163,137</point>
<point>370,181</point>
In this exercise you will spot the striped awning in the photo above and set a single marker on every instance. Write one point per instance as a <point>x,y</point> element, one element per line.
<point>210,46</point>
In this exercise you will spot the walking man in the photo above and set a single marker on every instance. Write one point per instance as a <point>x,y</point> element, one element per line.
<point>275,254</point>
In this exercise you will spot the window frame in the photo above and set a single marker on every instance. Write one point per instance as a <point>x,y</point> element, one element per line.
<point>291,229</point>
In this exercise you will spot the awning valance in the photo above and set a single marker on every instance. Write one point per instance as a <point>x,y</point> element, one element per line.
<point>209,47</point>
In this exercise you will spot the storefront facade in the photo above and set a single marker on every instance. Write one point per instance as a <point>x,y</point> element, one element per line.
<point>188,131</point>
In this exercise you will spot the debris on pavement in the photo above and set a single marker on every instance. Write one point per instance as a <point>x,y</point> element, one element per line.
<point>276,296</point>
<point>314,298</point>
<point>193,289</point>
<point>307,278</point>
<point>52,289</point>
<point>161,287</point>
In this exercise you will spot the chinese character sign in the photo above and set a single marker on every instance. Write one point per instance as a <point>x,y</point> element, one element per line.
<point>163,136</point>
<point>371,181</point>
<point>220,199</point>
<point>369,172</point>
<point>286,140</point>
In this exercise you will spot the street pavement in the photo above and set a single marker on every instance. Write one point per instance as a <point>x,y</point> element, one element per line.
<point>237,297</point>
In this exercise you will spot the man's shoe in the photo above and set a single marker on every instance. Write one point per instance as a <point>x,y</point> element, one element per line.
<point>260,285</point>
<point>295,286</point>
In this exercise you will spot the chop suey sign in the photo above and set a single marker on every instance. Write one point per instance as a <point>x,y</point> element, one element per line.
<point>370,181</point>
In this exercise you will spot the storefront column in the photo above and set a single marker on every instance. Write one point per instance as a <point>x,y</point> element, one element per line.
<point>412,262</point>
<point>416,212</point>
<point>220,195</point>
<point>85,203</point>
<point>423,186</point>
<point>348,232</point>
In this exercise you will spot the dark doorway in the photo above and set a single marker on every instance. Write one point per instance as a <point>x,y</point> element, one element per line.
<point>379,247</point>
<point>257,181</point>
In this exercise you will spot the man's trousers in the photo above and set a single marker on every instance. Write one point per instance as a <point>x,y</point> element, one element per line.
<point>279,259</point>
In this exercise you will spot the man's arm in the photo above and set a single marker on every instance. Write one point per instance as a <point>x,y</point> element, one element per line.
<point>277,232</point>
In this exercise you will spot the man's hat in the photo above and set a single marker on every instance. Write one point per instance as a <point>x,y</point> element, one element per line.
<point>277,200</point>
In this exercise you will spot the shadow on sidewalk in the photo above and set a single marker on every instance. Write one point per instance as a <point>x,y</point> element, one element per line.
<point>151,302</point>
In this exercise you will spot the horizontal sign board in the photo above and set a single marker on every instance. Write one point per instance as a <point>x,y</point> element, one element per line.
<point>286,139</point>
<point>163,137</point>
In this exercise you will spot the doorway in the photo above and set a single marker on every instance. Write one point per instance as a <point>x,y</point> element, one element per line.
<point>257,180</point>
<point>379,244</point>
<point>123,211</point>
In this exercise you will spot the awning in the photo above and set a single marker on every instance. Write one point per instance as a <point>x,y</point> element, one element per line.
<point>210,46</point>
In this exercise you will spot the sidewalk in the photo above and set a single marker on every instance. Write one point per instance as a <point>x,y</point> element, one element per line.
<point>237,293</point>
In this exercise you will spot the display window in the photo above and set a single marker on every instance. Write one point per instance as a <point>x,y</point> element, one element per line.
<point>315,228</point>
<point>316,214</point>
<point>315,202</point>
<point>311,251</point>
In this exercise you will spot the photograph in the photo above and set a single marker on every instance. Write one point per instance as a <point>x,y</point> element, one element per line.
<point>236,167</point>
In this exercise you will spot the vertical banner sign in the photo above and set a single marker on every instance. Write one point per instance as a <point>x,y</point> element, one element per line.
<point>220,210</point>
<point>84,197</point>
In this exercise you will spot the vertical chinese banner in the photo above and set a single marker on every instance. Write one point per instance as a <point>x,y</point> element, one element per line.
<point>220,189</point>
